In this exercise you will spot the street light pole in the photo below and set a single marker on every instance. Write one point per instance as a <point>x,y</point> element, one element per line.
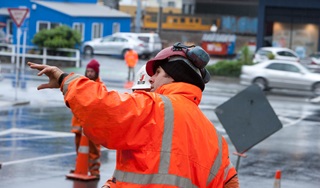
<point>138,17</point>
<point>159,17</point>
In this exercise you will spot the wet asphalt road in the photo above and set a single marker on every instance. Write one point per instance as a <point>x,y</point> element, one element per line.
<point>37,148</point>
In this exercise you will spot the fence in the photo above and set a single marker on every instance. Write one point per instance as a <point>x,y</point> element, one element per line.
<point>57,57</point>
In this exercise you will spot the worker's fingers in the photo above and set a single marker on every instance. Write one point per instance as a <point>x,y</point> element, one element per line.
<point>44,86</point>
<point>36,66</point>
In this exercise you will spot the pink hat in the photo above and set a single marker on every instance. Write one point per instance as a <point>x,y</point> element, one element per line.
<point>94,64</point>
<point>164,54</point>
<point>182,63</point>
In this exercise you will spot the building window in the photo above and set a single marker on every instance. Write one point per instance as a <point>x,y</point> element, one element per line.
<point>188,9</point>
<point>164,19</point>
<point>115,27</point>
<point>10,26</point>
<point>301,38</point>
<point>9,30</point>
<point>80,28</point>
<point>46,25</point>
<point>54,25</point>
<point>171,4</point>
<point>154,18</point>
<point>97,30</point>
<point>42,25</point>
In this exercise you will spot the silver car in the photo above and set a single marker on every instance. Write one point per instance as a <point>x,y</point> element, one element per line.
<point>264,53</point>
<point>280,74</point>
<point>113,45</point>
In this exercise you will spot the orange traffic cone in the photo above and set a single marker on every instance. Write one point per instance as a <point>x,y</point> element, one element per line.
<point>128,85</point>
<point>277,179</point>
<point>82,162</point>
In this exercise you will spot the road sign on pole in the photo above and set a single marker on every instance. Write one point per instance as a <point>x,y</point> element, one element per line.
<point>18,15</point>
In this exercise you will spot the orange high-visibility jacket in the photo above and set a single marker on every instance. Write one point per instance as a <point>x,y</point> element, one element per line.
<point>162,138</point>
<point>131,57</point>
<point>75,122</point>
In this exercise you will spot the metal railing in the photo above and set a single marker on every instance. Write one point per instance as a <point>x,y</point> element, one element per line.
<point>43,54</point>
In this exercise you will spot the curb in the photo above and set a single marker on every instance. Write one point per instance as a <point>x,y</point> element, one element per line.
<point>235,80</point>
<point>4,102</point>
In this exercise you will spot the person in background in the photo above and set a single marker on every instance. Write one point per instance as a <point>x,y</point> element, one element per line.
<point>131,57</point>
<point>162,137</point>
<point>91,72</point>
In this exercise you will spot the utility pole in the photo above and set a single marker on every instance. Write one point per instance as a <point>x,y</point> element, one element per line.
<point>159,17</point>
<point>138,17</point>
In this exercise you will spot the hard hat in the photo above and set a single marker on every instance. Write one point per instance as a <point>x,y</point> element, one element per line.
<point>142,80</point>
<point>198,57</point>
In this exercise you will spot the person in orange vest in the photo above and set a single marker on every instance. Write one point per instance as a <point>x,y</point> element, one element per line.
<point>131,57</point>
<point>162,137</point>
<point>91,72</point>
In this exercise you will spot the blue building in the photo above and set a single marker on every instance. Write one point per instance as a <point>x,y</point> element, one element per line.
<point>89,18</point>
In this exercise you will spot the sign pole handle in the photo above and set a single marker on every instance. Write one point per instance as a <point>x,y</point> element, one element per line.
<point>239,157</point>
<point>237,164</point>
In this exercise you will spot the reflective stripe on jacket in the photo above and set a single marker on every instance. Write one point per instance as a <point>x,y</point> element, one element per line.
<point>162,138</point>
<point>76,125</point>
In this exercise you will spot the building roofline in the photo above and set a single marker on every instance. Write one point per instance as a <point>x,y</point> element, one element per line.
<point>82,9</point>
<point>4,11</point>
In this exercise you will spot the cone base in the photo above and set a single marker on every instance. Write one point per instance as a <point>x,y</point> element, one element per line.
<point>128,85</point>
<point>81,177</point>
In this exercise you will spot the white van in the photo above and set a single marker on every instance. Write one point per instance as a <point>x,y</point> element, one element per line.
<point>152,41</point>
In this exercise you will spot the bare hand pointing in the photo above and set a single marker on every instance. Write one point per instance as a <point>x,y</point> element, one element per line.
<point>52,72</point>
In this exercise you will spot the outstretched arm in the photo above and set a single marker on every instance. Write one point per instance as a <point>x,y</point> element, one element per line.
<point>52,72</point>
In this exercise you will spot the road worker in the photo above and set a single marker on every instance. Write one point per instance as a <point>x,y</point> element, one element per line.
<point>91,72</point>
<point>162,138</point>
<point>131,57</point>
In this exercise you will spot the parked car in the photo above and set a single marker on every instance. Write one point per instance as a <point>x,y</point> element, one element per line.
<point>280,74</point>
<point>152,41</point>
<point>315,100</point>
<point>265,53</point>
<point>315,58</point>
<point>114,45</point>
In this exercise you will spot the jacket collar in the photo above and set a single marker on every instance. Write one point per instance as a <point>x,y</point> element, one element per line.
<point>190,91</point>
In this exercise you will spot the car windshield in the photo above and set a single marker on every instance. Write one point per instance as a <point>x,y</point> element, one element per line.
<point>145,39</point>
<point>286,53</point>
<point>304,69</point>
<point>264,52</point>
